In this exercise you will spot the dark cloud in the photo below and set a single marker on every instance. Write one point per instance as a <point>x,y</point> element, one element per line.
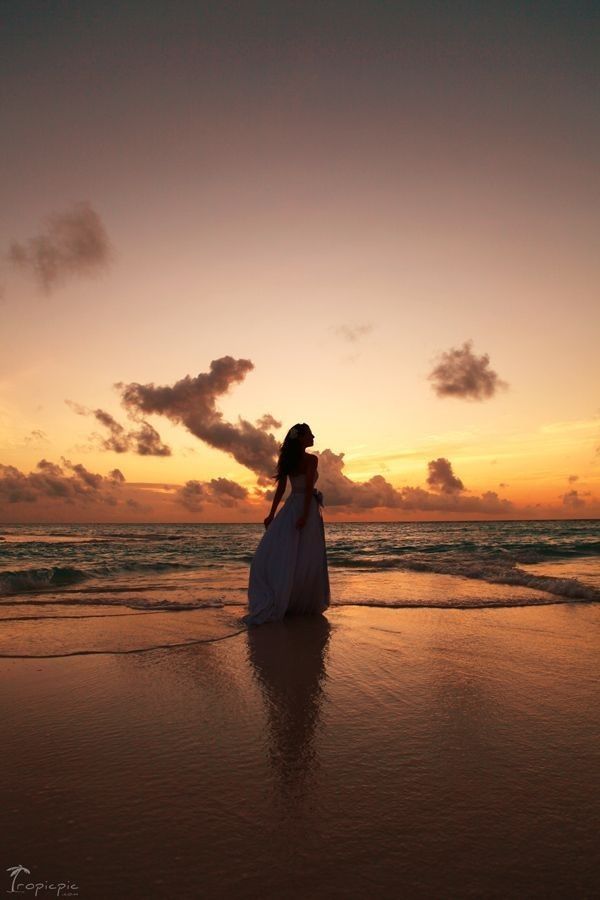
<point>572,479</point>
<point>192,402</point>
<point>51,481</point>
<point>221,491</point>
<point>191,496</point>
<point>227,492</point>
<point>460,373</point>
<point>441,477</point>
<point>573,500</point>
<point>145,440</point>
<point>73,243</point>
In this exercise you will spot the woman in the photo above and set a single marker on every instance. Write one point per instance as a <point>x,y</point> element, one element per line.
<point>289,569</point>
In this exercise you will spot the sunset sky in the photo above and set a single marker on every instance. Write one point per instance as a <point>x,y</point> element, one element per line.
<point>299,211</point>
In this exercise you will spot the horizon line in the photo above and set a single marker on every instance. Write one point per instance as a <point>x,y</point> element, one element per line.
<point>339,522</point>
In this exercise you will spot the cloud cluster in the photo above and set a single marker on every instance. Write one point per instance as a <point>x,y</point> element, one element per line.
<point>222,491</point>
<point>460,373</point>
<point>73,243</point>
<point>192,402</point>
<point>145,440</point>
<point>341,491</point>
<point>51,481</point>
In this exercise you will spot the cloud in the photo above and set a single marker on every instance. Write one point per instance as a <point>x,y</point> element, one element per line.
<point>460,373</point>
<point>227,492</point>
<point>36,436</point>
<point>222,491</point>
<point>191,496</point>
<point>572,479</point>
<point>573,500</point>
<point>50,481</point>
<point>74,243</point>
<point>145,440</point>
<point>353,333</point>
<point>267,421</point>
<point>441,477</point>
<point>341,491</point>
<point>192,402</point>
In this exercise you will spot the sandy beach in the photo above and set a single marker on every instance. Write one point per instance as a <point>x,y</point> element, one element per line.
<point>413,753</point>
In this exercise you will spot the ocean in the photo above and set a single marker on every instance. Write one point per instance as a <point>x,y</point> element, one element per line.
<point>62,572</point>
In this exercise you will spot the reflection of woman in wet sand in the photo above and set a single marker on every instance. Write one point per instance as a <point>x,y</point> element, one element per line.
<point>288,659</point>
<point>289,570</point>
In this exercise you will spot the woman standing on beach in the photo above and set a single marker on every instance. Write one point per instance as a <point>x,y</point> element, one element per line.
<point>289,571</point>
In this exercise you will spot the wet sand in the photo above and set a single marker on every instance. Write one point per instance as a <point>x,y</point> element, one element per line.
<point>388,752</point>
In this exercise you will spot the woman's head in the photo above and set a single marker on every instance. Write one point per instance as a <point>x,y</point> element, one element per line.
<point>292,450</point>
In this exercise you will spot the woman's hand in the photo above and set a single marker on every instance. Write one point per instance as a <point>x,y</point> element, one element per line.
<point>268,520</point>
<point>301,522</point>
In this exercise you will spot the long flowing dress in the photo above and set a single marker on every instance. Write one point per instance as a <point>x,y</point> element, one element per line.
<point>289,574</point>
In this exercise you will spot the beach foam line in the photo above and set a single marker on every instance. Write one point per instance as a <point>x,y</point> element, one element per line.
<point>80,636</point>
<point>223,637</point>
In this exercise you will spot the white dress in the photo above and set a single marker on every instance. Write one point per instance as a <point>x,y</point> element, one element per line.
<point>289,571</point>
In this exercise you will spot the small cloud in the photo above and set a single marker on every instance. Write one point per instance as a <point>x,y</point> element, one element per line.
<point>222,491</point>
<point>227,492</point>
<point>572,479</point>
<point>460,373</point>
<point>137,506</point>
<point>36,437</point>
<point>503,484</point>
<point>191,495</point>
<point>73,243</point>
<point>573,500</point>
<point>353,333</point>
<point>267,421</point>
<point>441,477</point>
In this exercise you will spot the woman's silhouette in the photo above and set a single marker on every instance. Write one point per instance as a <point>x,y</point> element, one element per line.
<point>289,572</point>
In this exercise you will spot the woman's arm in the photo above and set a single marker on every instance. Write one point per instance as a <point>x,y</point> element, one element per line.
<point>308,493</point>
<point>278,495</point>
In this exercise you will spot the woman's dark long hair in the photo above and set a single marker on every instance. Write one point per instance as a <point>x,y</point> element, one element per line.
<point>291,451</point>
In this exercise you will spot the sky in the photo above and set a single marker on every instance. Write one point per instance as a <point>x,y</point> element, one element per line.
<point>220,219</point>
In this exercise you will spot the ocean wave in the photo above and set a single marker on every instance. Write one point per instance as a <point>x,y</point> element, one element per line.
<point>50,577</point>
<point>38,579</point>
<point>499,572</point>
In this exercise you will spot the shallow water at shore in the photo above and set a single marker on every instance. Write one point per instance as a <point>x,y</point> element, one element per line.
<point>396,752</point>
